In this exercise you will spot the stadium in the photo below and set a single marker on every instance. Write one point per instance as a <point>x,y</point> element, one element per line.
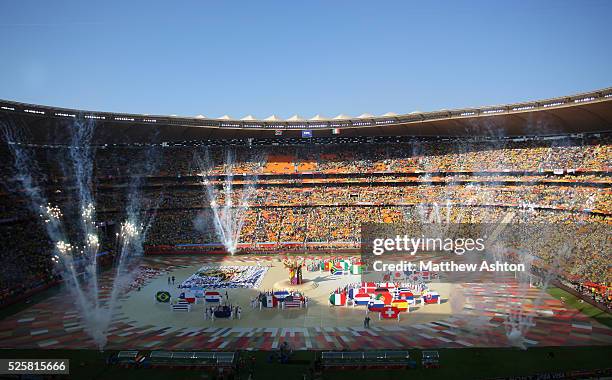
<point>269,196</point>
<point>216,190</point>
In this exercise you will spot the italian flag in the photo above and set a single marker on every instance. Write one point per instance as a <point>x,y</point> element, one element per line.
<point>338,299</point>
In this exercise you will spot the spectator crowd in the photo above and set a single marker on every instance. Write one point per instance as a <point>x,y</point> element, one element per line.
<point>321,194</point>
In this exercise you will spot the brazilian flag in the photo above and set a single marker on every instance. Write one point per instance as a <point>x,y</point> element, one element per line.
<point>162,296</point>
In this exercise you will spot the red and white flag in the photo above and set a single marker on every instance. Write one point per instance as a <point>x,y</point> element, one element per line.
<point>389,312</point>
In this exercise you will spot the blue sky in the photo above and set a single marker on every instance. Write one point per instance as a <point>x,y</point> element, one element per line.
<point>286,57</point>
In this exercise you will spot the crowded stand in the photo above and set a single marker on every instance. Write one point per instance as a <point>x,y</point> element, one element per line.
<point>315,196</point>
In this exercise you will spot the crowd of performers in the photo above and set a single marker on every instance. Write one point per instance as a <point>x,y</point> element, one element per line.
<point>222,311</point>
<point>294,266</point>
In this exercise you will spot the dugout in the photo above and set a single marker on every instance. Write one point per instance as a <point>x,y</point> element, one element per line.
<point>192,359</point>
<point>366,359</point>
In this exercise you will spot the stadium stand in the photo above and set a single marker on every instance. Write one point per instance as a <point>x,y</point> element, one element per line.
<point>313,194</point>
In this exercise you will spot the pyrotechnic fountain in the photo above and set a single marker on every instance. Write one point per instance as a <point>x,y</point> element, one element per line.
<point>523,244</point>
<point>132,234</point>
<point>76,253</point>
<point>228,216</point>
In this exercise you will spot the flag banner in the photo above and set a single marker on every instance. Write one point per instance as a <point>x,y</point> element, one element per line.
<point>336,271</point>
<point>162,296</point>
<point>281,294</point>
<point>368,287</point>
<point>212,296</point>
<point>337,299</point>
<point>307,133</point>
<point>198,292</point>
<point>181,305</point>
<point>376,305</point>
<point>401,305</point>
<point>293,304</point>
<point>386,297</point>
<point>362,299</point>
<point>269,301</point>
<point>389,312</point>
<point>188,296</point>
<point>431,297</point>
<point>403,294</point>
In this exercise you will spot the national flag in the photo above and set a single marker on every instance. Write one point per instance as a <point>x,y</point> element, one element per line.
<point>401,293</point>
<point>212,296</point>
<point>401,305</point>
<point>328,265</point>
<point>198,292</point>
<point>431,297</point>
<point>368,287</point>
<point>270,301</point>
<point>336,271</point>
<point>188,296</point>
<point>293,301</point>
<point>404,295</point>
<point>336,131</point>
<point>386,297</point>
<point>281,294</point>
<point>362,298</point>
<point>357,268</point>
<point>387,285</point>
<point>163,296</point>
<point>389,312</point>
<point>376,305</point>
<point>278,132</point>
<point>338,299</point>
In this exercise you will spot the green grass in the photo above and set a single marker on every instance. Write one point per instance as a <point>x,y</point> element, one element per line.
<point>584,307</point>
<point>478,363</point>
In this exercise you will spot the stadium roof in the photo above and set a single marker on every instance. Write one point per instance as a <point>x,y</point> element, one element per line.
<point>586,112</point>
